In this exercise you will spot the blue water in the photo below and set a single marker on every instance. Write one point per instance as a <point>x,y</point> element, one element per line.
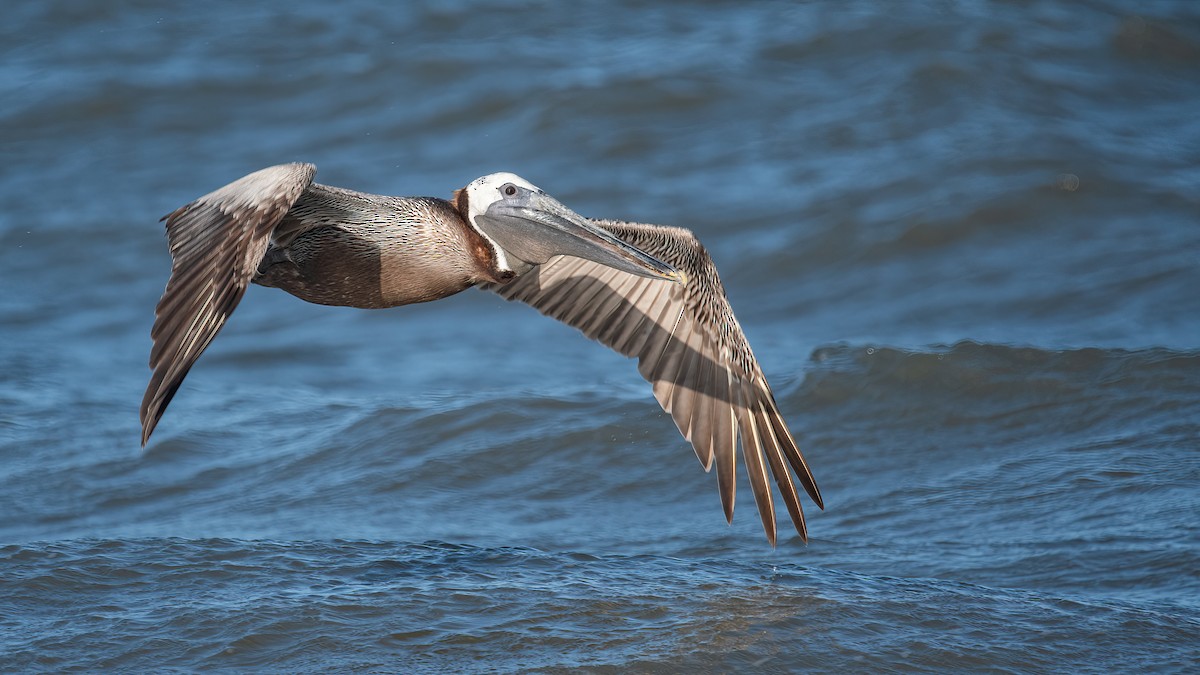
<point>963,239</point>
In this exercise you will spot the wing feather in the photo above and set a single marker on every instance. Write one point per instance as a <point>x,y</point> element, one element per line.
<point>752,453</point>
<point>725,442</point>
<point>700,432</point>
<point>691,349</point>
<point>782,476</point>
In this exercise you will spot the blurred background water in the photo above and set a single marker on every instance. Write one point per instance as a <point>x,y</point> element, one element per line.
<point>963,239</point>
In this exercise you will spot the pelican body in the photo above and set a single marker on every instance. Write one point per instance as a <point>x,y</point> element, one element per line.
<point>646,291</point>
<point>419,253</point>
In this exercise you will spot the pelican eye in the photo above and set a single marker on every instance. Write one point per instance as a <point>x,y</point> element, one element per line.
<point>509,189</point>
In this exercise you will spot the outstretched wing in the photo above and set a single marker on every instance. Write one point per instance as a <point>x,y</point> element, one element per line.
<point>691,349</point>
<point>216,245</point>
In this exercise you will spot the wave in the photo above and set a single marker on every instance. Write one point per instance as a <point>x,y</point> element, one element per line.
<point>319,605</point>
<point>972,382</point>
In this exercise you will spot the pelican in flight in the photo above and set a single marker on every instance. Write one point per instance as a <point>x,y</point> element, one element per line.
<point>646,291</point>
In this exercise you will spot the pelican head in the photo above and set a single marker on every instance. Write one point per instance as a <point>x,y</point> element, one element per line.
<point>525,223</point>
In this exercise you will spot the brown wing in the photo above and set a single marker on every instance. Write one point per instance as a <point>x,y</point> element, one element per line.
<point>216,245</point>
<point>692,350</point>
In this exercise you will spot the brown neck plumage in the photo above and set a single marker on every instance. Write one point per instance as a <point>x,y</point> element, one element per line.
<point>481,249</point>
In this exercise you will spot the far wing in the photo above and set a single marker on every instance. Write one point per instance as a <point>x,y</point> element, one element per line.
<point>216,245</point>
<point>692,350</point>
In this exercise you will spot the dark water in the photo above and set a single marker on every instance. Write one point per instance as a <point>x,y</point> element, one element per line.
<point>963,238</point>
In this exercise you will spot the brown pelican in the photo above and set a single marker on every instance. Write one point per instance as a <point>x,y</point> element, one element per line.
<point>644,290</point>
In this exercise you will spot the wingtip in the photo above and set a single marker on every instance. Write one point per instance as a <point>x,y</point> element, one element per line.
<point>811,487</point>
<point>150,414</point>
<point>148,425</point>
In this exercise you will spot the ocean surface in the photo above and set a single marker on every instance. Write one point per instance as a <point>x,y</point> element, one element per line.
<point>963,239</point>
